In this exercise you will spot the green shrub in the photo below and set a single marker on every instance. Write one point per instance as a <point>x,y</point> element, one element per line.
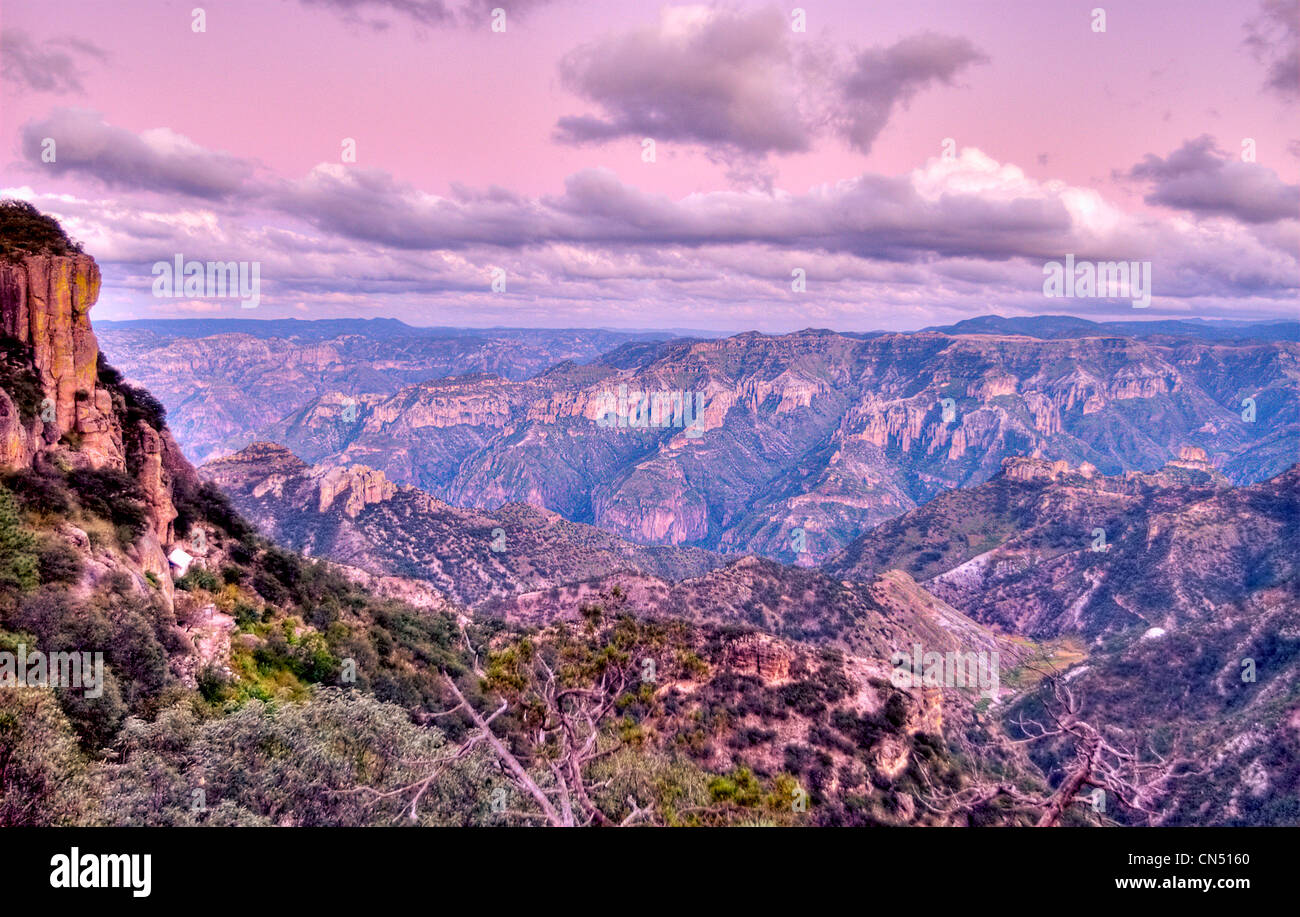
<point>213,684</point>
<point>43,770</point>
<point>18,562</point>
<point>40,491</point>
<point>247,616</point>
<point>138,403</point>
<point>142,407</point>
<point>198,578</point>
<point>203,502</point>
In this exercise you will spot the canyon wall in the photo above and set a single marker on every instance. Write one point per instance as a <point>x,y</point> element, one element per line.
<point>77,418</point>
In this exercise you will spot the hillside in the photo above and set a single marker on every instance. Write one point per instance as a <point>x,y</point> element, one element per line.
<point>1186,615</point>
<point>357,516</point>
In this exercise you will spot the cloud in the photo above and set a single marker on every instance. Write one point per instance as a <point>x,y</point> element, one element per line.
<point>153,160</point>
<point>739,84</point>
<point>1200,177</point>
<point>47,67</point>
<point>426,12</point>
<point>952,234</point>
<point>716,77</point>
<point>949,209</point>
<point>883,78</point>
<point>433,13</point>
<point>1273,36</point>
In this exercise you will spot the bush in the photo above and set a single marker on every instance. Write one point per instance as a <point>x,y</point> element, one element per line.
<point>43,770</point>
<point>59,562</point>
<point>198,578</point>
<point>142,407</point>
<point>134,633</point>
<point>213,684</point>
<point>24,230</point>
<point>18,378</point>
<point>269,588</point>
<point>40,491</point>
<point>205,503</point>
<point>110,495</point>
<point>298,764</point>
<point>18,563</point>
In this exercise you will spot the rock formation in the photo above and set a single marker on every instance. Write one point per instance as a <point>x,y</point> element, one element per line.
<point>759,654</point>
<point>81,420</point>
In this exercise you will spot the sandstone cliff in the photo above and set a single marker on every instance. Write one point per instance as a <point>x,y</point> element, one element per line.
<point>82,419</point>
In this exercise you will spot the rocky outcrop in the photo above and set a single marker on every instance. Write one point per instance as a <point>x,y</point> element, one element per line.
<point>1031,468</point>
<point>360,485</point>
<point>1192,466</point>
<point>45,303</point>
<point>758,654</point>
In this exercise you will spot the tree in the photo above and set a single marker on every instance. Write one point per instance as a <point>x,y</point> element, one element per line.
<point>339,759</point>
<point>566,691</point>
<point>25,230</point>
<point>1098,761</point>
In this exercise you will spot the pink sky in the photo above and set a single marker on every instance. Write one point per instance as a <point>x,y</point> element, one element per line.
<point>456,132</point>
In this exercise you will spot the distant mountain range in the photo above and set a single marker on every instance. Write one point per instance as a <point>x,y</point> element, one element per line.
<point>802,441</point>
<point>228,382</point>
<point>224,380</point>
<point>1067,326</point>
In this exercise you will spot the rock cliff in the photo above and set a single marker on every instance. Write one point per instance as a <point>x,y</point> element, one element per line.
<point>79,415</point>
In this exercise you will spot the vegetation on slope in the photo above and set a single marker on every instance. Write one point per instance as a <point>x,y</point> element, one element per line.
<point>24,230</point>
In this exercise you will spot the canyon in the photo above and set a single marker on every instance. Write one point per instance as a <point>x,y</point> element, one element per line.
<point>805,440</point>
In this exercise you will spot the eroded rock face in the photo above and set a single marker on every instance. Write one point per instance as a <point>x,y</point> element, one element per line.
<point>359,517</point>
<point>359,485</point>
<point>45,303</point>
<point>759,654</point>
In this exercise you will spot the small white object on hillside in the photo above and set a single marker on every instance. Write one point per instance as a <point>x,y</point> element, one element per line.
<point>180,560</point>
